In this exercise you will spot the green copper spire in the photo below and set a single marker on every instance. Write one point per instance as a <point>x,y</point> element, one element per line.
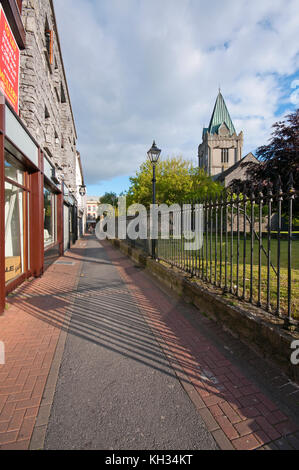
<point>220,115</point>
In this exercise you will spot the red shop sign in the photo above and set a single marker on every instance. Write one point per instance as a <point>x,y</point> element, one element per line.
<point>9,63</point>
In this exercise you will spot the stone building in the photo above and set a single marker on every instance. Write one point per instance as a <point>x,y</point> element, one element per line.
<point>41,178</point>
<point>45,105</point>
<point>91,209</point>
<point>221,146</point>
<point>238,171</point>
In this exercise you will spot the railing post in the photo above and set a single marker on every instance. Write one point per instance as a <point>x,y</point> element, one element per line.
<point>238,241</point>
<point>226,242</point>
<point>261,202</point>
<point>211,238</point>
<point>279,203</point>
<point>291,195</point>
<point>270,200</point>
<point>252,223</point>
<point>207,238</point>
<point>244,239</point>
<point>216,238</point>
<point>221,239</point>
<point>232,243</point>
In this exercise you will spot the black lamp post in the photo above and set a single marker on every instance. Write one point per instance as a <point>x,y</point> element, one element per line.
<point>154,155</point>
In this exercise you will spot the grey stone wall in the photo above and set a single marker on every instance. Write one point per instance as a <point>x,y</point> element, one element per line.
<point>40,88</point>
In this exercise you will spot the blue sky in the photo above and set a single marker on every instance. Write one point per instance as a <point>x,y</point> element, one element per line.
<point>140,70</point>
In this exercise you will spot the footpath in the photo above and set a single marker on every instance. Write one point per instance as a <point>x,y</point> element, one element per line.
<point>99,357</point>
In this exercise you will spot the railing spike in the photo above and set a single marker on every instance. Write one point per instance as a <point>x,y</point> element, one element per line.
<point>291,188</point>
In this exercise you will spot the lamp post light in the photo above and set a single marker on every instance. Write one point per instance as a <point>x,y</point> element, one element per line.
<point>154,155</point>
<point>82,190</point>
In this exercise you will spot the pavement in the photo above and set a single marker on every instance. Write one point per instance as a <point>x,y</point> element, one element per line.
<point>99,356</point>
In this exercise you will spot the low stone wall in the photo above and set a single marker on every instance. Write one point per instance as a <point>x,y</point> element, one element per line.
<point>261,331</point>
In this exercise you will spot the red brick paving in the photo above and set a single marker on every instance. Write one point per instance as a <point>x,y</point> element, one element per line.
<point>247,417</point>
<point>30,330</point>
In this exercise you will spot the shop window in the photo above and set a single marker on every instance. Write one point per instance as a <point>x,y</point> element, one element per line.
<point>12,172</point>
<point>49,217</point>
<point>16,209</point>
<point>14,231</point>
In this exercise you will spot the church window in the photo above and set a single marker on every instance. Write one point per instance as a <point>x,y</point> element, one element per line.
<point>224,156</point>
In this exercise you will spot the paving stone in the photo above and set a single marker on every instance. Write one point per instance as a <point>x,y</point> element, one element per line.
<point>33,342</point>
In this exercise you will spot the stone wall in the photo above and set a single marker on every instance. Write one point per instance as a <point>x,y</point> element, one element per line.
<point>47,117</point>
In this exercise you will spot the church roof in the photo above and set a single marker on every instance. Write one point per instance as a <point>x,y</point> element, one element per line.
<point>249,157</point>
<point>220,115</point>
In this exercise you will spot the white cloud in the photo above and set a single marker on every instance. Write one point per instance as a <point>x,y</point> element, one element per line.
<point>140,70</point>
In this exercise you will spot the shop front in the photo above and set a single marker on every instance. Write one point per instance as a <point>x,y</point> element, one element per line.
<point>31,216</point>
<point>70,210</point>
<point>16,235</point>
<point>51,222</point>
<point>20,159</point>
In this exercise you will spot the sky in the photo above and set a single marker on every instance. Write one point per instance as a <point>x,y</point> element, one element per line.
<point>140,70</point>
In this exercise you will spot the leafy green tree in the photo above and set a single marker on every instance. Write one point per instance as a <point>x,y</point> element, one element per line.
<point>177,181</point>
<point>109,198</point>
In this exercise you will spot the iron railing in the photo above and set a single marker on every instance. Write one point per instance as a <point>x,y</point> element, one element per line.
<point>248,247</point>
<point>245,252</point>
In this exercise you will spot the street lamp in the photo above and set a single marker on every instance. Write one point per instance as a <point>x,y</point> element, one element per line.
<point>154,155</point>
<point>82,190</point>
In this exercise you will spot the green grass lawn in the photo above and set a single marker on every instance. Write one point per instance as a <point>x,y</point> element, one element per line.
<point>173,252</point>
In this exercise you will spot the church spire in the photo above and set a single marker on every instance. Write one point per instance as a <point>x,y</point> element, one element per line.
<point>220,116</point>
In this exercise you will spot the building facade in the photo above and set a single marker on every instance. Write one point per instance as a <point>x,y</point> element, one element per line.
<point>221,146</point>
<point>92,204</point>
<point>40,167</point>
<point>238,171</point>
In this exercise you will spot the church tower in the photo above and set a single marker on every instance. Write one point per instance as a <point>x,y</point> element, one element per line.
<point>221,147</point>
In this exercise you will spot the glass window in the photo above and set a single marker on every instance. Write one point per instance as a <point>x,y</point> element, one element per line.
<point>224,156</point>
<point>14,232</point>
<point>49,217</point>
<point>12,171</point>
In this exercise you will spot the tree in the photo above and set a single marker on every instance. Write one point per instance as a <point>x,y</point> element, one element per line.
<point>279,158</point>
<point>177,181</point>
<point>109,198</point>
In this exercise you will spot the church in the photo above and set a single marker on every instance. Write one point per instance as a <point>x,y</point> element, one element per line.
<point>220,153</point>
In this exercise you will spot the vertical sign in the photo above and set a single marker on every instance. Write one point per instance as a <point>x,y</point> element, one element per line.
<point>9,63</point>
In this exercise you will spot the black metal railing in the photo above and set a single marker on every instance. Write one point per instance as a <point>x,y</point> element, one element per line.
<point>246,246</point>
<point>244,250</point>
